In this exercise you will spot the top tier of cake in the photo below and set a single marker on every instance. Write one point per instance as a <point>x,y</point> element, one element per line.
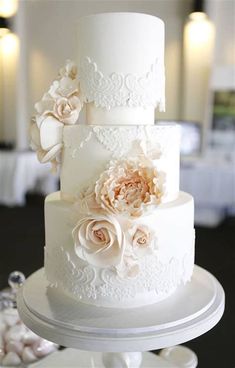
<point>121,68</point>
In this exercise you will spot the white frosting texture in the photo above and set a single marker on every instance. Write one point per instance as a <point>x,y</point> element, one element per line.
<point>88,150</point>
<point>121,64</point>
<point>160,271</point>
<point>119,115</point>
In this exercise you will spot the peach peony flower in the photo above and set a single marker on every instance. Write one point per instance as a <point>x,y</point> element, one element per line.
<point>127,186</point>
<point>99,240</point>
<point>46,139</point>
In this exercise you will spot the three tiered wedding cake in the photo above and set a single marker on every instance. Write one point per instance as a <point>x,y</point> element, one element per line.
<point>119,233</point>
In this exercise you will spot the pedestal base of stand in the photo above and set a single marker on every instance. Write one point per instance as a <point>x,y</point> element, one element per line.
<point>70,358</point>
<point>121,335</point>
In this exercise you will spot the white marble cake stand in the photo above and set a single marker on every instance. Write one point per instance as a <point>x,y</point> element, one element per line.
<point>191,311</point>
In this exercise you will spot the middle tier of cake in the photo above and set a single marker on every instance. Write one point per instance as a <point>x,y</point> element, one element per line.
<point>90,150</point>
<point>144,261</point>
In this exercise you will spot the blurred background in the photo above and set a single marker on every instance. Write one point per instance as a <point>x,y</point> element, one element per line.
<point>36,37</point>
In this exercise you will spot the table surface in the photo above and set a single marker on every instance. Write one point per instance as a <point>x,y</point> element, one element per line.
<point>191,311</point>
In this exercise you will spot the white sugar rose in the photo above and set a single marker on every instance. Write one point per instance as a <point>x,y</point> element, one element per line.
<point>142,242</point>
<point>99,241</point>
<point>128,186</point>
<point>46,139</point>
<point>67,109</point>
<point>59,106</point>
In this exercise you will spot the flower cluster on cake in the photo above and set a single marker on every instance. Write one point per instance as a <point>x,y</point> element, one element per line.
<point>59,106</point>
<point>119,233</point>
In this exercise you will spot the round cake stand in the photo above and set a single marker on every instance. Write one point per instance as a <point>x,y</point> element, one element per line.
<point>122,334</point>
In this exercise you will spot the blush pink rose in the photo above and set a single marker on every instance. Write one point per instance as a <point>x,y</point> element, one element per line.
<point>67,109</point>
<point>142,242</point>
<point>99,240</point>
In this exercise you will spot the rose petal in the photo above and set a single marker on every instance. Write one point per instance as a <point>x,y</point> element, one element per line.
<point>53,90</point>
<point>51,133</point>
<point>44,156</point>
<point>68,86</point>
<point>72,118</point>
<point>39,120</point>
<point>70,70</point>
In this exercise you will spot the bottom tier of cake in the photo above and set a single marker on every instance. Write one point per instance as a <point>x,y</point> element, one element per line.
<point>147,278</point>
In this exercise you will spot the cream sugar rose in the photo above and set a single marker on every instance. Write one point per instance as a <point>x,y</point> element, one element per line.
<point>119,233</point>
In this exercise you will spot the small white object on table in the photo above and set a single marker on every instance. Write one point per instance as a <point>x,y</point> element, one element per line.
<point>18,344</point>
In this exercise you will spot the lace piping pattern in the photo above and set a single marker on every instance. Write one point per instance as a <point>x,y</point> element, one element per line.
<point>88,283</point>
<point>118,90</point>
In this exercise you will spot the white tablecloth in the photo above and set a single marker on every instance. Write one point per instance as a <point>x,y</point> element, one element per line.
<point>21,172</point>
<point>212,184</point>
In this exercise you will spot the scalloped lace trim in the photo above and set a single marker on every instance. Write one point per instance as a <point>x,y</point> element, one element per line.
<point>118,89</point>
<point>87,282</point>
<point>118,140</point>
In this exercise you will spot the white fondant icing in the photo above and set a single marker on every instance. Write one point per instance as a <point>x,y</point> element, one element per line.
<point>119,115</point>
<point>121,64</point>
<point>159,274</point>
<point>89,149</point>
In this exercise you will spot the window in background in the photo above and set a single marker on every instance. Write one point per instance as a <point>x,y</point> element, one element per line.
<point>223,119</point>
